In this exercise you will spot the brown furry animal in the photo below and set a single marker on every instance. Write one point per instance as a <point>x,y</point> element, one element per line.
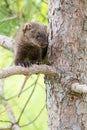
<point>31,44</point>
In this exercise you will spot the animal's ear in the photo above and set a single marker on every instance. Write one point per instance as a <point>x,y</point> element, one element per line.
<point>27,26</point>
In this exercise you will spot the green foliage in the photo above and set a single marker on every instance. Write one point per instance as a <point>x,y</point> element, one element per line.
<point>26,10</point>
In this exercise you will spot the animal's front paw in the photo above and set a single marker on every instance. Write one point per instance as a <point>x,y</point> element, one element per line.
<point>24,64</point>
<point>36,62</point>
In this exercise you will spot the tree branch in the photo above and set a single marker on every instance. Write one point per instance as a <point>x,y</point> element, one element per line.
<point>27,101</point>
<point>7,42</point>
<point>5,128</point>
<point>44,2</point>
<point>34,69</point>
<point>34,118</point>
<point>7,19</point>
<point>79,88</point>
<point>14,126</point>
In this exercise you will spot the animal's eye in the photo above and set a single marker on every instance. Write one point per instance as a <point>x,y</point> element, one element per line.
<point>39,37</point>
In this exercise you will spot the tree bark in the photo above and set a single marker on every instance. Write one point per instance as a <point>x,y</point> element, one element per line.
<point>67,52</point>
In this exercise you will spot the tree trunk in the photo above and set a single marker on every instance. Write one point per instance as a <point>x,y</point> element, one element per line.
<point>67,52</point>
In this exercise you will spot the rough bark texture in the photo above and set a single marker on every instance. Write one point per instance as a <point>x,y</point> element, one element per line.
<point>68,54</point>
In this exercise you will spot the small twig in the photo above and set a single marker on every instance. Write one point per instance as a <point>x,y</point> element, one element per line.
<point>35,117</point>
<point>8,6</point>
<point>25,80</point>
<point>8,19</point>
<point>44,2</point>
<point>22,92</point>
<point>27,101</point>
<point>5,121</point>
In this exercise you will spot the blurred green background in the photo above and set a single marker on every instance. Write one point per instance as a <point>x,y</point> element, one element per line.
<point>35,112</point>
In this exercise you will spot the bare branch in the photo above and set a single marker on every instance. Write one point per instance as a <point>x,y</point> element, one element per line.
<point>25,80</point>
<point>34,69</point>
<point>35,117</point>
<point>8,7</point>
<point>5,128</point>
<point>1,88</point>
<point>27,100</point>
<point>2,121</point>
<point>7,19</point>
<point>79,88</point>
<point>9,111</point>
<point>16,95</point>
<point>15,126</point>
<point>44,2</point>
<point>7,42</point>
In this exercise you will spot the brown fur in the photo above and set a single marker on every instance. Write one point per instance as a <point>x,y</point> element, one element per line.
<point>31,44</point>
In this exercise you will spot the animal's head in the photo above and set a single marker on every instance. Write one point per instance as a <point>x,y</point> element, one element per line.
<point>36,34</point>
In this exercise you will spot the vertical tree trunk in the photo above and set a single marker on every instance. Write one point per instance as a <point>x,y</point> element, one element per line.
<point>67,110</point>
